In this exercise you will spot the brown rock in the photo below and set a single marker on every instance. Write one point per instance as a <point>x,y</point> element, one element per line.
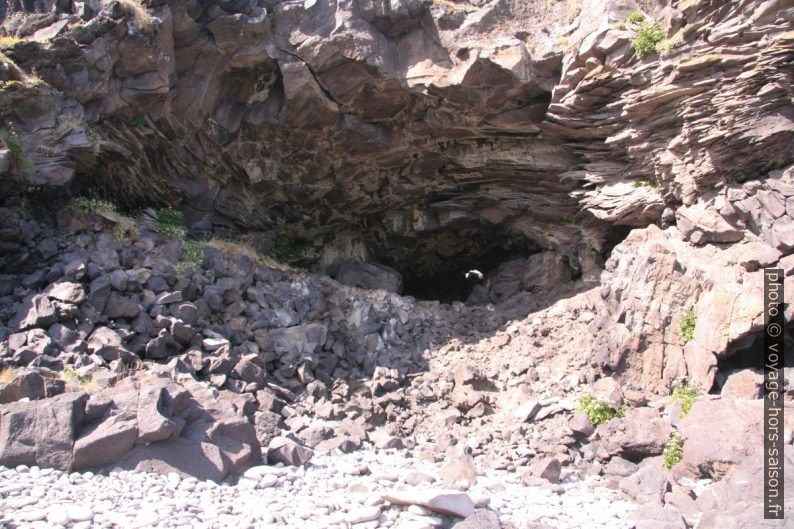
<point>41,432</point>
<point>744,384</point>
<point>547,468</point>
<point>105,442</point>
<point>289,451</point>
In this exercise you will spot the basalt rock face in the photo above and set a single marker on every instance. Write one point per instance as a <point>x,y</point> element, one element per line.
<point>408,128</point>
<point>423,136</point>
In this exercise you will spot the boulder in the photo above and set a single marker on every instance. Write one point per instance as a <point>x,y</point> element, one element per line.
<point>153,425</point>
<point>29,384</point>
<point>744,384</point>
<point>35,311</point>
<point>653,516</point>
<point>107,343</point>
<point>66,292</point>
<point>188,458</point>
<point>41,432</point>
<point>734,422</point>
<point>105,442</point>
<point>459,467</point>
<point>737,502</point>
<point>547,468</point>
<point>649,483</point>
<point>641,433</point>
<point>289,451</point>
<point>545,270</point>
<point>481,519</point>
<point>449,503</point>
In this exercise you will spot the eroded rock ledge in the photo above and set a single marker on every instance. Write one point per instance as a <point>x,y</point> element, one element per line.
<point>401,132</point>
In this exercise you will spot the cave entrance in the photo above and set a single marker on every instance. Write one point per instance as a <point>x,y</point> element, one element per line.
<point>748,353</point>
<point>434,268</point>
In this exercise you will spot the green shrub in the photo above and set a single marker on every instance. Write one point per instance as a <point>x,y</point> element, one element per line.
<point>171,223</point>
<point>192,254</point>
<point>687,324</point>
<point>685,395</point>
<point>620,25</point>
<point>673,450</point>
<point>138,121</point>
<point>636,17</point>
<point>14,147</point>
<point>598,410</point>
<point>94,140</point>
<point>92,205</point>
<point>646,39</point>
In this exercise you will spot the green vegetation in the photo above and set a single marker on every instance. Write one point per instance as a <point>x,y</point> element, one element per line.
<point>646,182</point>
<point>14,147</point>
<point>21,211</point>
<point>125,229</point>
<point>673,450</point>
<point>620,25</point>
<point>94,140</point>
<point>72,378</point>
<point>92,205</point>
<point>647,38</point>
<point>685,395</point>
<point>598,410</point>
<point>192,254</point>
<point>687,324</point>
<point>138,121</point>
<point>669,44</point>
<point>171,223</point>
<point>636,17</point>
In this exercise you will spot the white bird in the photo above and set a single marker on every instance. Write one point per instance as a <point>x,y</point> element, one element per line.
<point>474,275</point>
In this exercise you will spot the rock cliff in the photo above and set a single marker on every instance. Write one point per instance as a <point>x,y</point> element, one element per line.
<point>621,171</point>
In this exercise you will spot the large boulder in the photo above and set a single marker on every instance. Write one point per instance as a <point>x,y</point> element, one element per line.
<point>106,441</point>
<point>737,502</point>
<point>187,458</point>
<point>41,432</point>
<point>736,423</point>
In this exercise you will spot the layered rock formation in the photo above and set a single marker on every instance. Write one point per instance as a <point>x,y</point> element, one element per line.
<point>412,129</point>
<point>621,206</point>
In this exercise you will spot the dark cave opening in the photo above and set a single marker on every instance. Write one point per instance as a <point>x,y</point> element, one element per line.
<point>748,353</point>
<point>449,283</point>
<point>435,267</point>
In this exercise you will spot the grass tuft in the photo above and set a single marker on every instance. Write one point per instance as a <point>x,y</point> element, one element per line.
<point>646,182</point>
<point>7,374</point>
<point>74,380</point>
<point>141,19</point>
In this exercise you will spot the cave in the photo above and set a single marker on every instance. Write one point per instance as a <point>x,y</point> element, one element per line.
<point>748,353</point>
<point>448,283</point>
<point>433,265</point>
